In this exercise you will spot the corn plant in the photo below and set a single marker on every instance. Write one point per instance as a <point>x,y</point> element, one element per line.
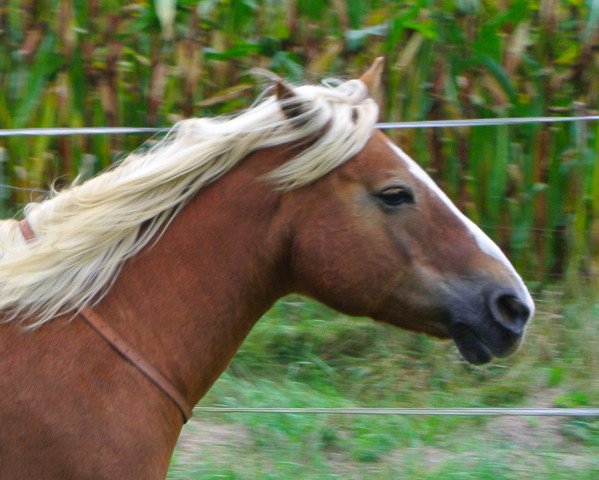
<point>534,188</point>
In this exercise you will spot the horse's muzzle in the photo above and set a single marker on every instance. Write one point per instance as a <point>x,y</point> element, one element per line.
<point>494,329</point>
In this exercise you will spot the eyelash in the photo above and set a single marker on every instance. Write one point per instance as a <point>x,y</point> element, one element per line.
<point>395,196</point>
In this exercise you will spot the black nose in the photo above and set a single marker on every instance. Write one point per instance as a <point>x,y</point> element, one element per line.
<point>509,310</point>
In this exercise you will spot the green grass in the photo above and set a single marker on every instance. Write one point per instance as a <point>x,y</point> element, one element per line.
<point>304,355</point>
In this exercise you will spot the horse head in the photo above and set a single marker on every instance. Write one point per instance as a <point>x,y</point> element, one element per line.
<point>377,237</point>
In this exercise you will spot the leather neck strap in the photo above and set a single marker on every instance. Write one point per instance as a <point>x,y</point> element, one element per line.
<point>137,360</point>
<point>117,342</point>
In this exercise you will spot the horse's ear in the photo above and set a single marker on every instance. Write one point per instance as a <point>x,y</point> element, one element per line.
<point>291,103</point>
<point>283,91</point>
<point>372,77</point>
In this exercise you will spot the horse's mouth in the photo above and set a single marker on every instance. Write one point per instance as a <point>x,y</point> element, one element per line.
<point>475,350</point>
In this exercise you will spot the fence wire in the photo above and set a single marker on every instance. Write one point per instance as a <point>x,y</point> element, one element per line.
<point>454,412</point>
<point>474,122</point>
<point>460,412</point>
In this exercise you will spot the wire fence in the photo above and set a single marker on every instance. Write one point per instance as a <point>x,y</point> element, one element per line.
<point>459,412</point>
<point>453,412</point>
<point>474,122</point>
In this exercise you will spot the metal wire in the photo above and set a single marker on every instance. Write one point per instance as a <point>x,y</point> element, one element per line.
<point>454,412</point>
<point>474,122</point>
<point>59,132</point>
<point>482,122</point>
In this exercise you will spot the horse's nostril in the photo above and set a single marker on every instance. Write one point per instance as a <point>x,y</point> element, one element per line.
<point>510,311</point>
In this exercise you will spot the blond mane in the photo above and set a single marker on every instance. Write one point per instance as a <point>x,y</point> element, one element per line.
<point>85,233</point>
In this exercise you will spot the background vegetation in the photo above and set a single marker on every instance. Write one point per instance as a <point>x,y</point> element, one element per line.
<point>534,188</point>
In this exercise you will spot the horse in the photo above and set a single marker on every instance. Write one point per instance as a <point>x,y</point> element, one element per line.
<point>124,297</point>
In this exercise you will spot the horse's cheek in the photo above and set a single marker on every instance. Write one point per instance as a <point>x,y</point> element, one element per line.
<point>347,268</point>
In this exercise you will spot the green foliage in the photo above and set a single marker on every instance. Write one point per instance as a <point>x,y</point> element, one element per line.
<point>534,188</point>
<point>585,431</point>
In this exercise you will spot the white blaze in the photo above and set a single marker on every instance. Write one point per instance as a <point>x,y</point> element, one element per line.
<point>484,242</point>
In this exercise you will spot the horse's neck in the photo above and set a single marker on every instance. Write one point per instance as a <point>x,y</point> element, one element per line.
<point>189,301</point>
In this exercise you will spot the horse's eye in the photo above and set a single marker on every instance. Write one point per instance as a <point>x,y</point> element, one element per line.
<point>395,196</point>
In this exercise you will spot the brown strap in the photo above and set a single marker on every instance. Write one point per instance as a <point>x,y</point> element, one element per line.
<point>120,345</point>
<point>26,230</point>
<point>137,360</point>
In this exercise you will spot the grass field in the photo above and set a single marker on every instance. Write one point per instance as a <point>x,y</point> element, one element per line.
<point>303,354</point>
